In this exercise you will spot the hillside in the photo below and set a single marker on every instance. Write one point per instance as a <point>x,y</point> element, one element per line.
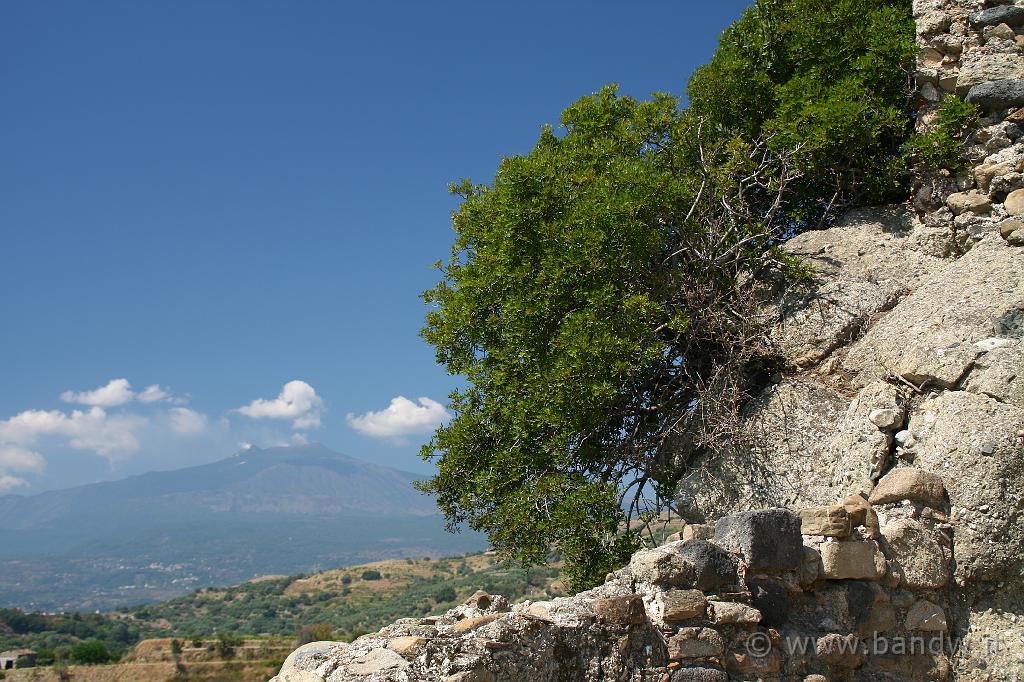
<point>154,660</point>
<point>309,479</point>
<point>162,534</point>
<point>351,601</point>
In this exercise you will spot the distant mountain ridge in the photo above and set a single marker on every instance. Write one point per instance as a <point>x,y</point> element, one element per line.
<point>308,479</point>
<point>156,535</point>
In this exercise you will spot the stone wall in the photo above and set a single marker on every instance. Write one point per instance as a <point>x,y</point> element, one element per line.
<point>858,590</point>
<point>974,49</point>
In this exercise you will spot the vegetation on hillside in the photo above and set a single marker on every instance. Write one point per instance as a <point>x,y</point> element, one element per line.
<point>351,601</point>
<point>600,298</point>
<point>340,604</point>
<point>69,637</point>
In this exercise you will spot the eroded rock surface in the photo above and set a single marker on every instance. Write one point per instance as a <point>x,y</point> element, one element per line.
<point>933,338</point>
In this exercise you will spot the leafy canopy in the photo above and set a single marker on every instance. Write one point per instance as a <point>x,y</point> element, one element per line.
<point>941,146</point>
<point>599,295</point>
<point>830,80</point>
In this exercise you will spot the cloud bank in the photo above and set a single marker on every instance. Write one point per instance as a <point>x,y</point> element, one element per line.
<point>119,392</point>
<point>186,422</point>
<point>104,426</point>
<point>118,423</point>
<point>15,458</point>
<point>107,435</point>
<point>9,483</point>
<point>402,417</point>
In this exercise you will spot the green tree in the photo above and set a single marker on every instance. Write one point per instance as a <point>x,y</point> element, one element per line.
<point>445,595</point>
<point>600,298</point>
<point>598,302</point>
<point>226,644</point>
<point>90,652</point>
<point>45,657</point>
<point>314,632</point>
<point>830,81</point>
<point>941,146</point>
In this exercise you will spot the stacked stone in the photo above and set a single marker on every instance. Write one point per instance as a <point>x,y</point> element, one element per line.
<point>773,595</point>
<point>813,594</point>
<point>976,52</point>
<point>898,542</point>
<point>697,597</point>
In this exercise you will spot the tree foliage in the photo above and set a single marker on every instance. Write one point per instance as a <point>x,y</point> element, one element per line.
<point>829,80</point>
<point>91,652</point>
<point>595,301</point>
<point>940,147</point>
<point>314,632</point>
<point>599,299</point>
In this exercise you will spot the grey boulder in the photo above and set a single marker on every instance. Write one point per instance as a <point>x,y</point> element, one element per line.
<point>1010,15</point>
<point>694,564</point>
<point>768,539</point>
<point>999,94</point>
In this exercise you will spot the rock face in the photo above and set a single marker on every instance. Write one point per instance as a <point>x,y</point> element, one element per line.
<point>833,521</point>
<point>998,94</point>
<point>1004,14</point>
<point>987,68</point>
<point>878,490</point>
<point>690,564</point>
<point>975,442</point>
<point>850,560</point>
<point>930,339</point>
<point>906,363</point>
<point>916,553</point>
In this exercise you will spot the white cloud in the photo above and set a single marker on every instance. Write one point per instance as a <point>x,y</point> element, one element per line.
<point>16,458</point>
<point>297,401</point>
<point>153,394</point>
<point>114,437</point>
<point>118,423</point>
<point>26,427</point>
<point>186,422</point>
<point>402,417</point>
<point>307,421</point>
<point>119,392</point>
<point>8,482</point>
<point>106,435</point>
<point>116,392</point>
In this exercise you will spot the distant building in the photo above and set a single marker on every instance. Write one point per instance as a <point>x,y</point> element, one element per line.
<point>17,658</point>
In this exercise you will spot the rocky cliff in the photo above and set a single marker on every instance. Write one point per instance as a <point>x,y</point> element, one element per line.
<point>872,527</point>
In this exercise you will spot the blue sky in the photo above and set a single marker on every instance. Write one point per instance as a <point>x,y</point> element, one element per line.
<point>214,199</point>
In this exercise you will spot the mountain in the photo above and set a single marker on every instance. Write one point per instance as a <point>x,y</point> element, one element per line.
<point>260,511</point>
<point>306,479</point>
